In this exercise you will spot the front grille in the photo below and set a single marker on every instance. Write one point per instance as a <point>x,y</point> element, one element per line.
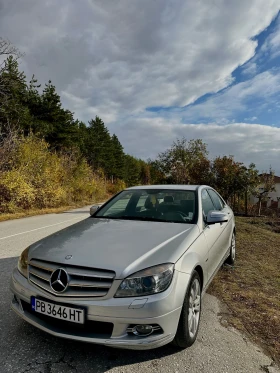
<point>91,329</point>
<point>83,281</point>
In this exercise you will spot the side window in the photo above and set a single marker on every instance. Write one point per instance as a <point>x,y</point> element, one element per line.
<point>218,203</point>
<point>207,204</point>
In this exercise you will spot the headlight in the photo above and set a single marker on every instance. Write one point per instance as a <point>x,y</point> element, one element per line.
<point>23,262</point>
<point>149,281</point>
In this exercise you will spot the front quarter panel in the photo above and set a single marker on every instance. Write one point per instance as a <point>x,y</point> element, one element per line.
<point>196,255</point>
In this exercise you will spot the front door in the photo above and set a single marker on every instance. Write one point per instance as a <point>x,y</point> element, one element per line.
<point>215,235</point>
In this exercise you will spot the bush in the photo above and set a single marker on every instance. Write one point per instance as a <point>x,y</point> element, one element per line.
<point>39,178</point>
<point>116,187</point>
<point>16,193</point>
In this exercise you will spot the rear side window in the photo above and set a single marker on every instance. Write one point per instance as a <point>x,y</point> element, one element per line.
<point>207,204</point>
<point>218,203</point>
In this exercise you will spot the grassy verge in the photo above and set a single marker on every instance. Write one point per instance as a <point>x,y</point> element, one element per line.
<point>251,289</point>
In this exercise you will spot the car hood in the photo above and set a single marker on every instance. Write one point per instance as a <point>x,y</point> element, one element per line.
<point>124,246</point>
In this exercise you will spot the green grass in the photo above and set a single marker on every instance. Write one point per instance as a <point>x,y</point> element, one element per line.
<point>251,289</point>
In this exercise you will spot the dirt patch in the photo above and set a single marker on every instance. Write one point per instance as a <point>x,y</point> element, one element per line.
<point>251,289</point>
<point>272,224</point>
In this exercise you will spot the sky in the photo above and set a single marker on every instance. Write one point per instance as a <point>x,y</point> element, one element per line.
<point>155,71</point>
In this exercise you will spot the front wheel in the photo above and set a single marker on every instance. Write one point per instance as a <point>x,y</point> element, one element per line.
<point>190,314</point>
<point>231,258</point>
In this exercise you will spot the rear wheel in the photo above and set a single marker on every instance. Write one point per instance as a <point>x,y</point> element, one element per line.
<point>231,258</point>
<point>190,314</point>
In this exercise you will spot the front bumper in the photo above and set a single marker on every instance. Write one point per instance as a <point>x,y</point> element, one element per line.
<point>108,320</point>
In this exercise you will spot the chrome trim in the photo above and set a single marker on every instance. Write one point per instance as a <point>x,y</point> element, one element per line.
<point>34,263</point>
<point>68,295</point>
<point>36,275</point>
<point>81,283</point>
<point>96,285</point>
<point>58,280</point>
<point>134,331</point>
<point>93,276</point>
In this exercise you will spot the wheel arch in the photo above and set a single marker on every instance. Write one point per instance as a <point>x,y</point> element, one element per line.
<point>199,270</point>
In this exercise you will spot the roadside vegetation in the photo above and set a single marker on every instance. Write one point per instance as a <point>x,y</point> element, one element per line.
<point>251,289</point>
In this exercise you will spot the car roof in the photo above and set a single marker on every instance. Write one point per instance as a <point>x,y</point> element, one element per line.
<point>169,186</point>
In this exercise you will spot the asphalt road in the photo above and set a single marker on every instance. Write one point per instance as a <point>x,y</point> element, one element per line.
<point>23,348</point>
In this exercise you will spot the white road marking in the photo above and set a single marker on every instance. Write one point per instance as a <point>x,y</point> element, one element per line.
<point>33,230</point>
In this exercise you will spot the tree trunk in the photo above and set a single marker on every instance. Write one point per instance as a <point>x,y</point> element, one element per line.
<point>238,202</point>
<point>260,206</point>
<point>246,202</point>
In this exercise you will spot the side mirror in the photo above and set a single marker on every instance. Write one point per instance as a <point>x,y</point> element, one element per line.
<point>214,217</point>
<point>93,209</point>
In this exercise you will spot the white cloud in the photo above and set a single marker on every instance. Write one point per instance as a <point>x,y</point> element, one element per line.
<point>116,58</point>
<point>251,119</point>
<point>120,57</point>
<point>254,94</point>
<point>250,69</point>
<point>247,142</point>
<point>271,47</point>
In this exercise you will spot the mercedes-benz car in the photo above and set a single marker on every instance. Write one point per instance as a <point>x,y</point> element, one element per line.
<point>132,274</point>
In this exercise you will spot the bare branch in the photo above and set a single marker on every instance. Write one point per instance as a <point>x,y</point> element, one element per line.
<point>8,49</point>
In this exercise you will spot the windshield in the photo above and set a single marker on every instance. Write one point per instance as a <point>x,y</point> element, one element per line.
<point>172,206</point>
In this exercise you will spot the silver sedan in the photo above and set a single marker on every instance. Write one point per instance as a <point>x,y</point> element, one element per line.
<point>131,275</point>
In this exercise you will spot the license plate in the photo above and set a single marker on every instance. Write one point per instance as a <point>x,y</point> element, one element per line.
<point>57,311</point>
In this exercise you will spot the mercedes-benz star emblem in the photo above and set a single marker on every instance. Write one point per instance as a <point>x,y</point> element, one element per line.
<point>59,280</point>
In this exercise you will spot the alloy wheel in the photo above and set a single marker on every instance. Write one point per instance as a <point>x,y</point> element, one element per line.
<point>194,308</point>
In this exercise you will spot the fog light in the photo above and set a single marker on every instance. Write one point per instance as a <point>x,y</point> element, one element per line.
<point>16,300</point>
<point>143,330</point>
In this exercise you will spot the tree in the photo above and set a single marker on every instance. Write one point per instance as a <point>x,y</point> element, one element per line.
<point>13,109</point>
<point>145,173</point>
<point>6,50</point>
<point>185,162</point>
<point>227,176</point>
<point>265,186</point>
<point>82,137</point>
<point>99,148</point>
<point>132,171</point>
<point>33,101</point>
<point>251,181</point>
<point>157,176</point>
<point>57,125</point>
<point>118,161</point>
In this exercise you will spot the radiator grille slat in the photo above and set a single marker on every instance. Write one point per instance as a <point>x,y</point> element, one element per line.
<point>83,282</point>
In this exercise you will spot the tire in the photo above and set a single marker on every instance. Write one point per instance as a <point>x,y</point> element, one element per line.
<point>190,315</point>
<point>231,258</point>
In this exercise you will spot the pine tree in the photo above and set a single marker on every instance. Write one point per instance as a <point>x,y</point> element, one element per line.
<point>33,101</point>
<point>118,165</point>
<point>13,97</point>
<point>99,149</point>
<point>132,171</point>
<point>60,129</point>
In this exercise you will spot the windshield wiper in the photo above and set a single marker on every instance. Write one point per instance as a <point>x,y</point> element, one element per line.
<point>125,217</point>
<point>140,218</point>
